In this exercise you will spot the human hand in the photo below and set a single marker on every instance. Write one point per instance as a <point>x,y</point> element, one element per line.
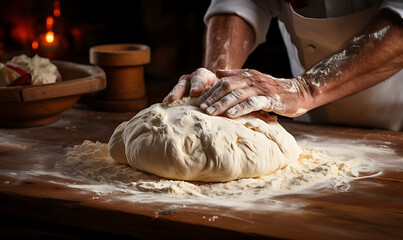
<point>193,83</point>
<point>241,91</point>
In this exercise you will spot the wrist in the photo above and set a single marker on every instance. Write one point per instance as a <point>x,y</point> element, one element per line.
<point>215,67</point>
<point>309,92</point>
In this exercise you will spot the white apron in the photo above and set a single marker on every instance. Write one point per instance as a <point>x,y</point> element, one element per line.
<point>380,106</point>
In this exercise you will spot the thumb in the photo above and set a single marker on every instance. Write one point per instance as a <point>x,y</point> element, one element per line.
<point>220,73</point>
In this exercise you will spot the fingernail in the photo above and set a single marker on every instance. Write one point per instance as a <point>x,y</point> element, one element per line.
<point>211,110</point>
<point>203,106</point>
<point>165,99</point>
<point>231,111</point>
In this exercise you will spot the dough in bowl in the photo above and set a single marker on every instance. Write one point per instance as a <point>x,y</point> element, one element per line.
<point>179,141</point>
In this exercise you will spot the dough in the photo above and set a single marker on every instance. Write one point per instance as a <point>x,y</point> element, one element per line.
<point>42,70</point>
<point>179,141</point>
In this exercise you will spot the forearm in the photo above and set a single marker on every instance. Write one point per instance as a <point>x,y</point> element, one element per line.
<point>229,41</point>
<point>369,58</point>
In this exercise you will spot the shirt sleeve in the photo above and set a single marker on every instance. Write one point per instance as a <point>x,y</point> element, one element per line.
<point>256,13</point>
<point>394,5</point>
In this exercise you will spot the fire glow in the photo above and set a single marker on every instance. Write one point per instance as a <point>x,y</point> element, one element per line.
<point>56,8</point>
<point>50,37</point>
<point>50,43</point>
<point>49,23</point>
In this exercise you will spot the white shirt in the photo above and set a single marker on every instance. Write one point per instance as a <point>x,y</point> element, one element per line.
<point>365,108</point>
<point>259,13</point>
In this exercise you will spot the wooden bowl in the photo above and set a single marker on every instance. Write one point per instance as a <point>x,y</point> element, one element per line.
<point>123,66</point>
<point>29,106</point>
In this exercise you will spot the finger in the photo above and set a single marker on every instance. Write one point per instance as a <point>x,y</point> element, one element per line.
<point>178,91</point>
<point>251,104</point>
<point>227,85</point>
<point>219,74</point>
<point>234,97</point>
<point>197,84</point>
<point>207,94</point>
<point>202,78</point>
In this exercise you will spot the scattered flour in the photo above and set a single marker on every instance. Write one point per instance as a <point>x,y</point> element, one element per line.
<point>211,219</point>
<point>319,166</point>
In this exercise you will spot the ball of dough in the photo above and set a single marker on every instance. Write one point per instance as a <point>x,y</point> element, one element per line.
<point>179,141</point>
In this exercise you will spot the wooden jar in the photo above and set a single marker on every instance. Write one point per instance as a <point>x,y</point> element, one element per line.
<point>124,68</point>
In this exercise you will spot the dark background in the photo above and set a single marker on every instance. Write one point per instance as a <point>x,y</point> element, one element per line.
<point>173,29</point>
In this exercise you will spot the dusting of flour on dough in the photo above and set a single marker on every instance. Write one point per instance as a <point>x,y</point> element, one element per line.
<point>179,141</point>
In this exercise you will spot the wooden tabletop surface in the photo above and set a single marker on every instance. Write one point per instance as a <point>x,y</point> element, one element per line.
<point>37,204</point>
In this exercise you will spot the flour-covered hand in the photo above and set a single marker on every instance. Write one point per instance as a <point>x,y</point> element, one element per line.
<point>192,84</point>
<point>241,91</point>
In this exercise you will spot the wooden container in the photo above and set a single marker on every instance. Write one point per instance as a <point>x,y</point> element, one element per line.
<point>30,106</point>
<point>124,68</point>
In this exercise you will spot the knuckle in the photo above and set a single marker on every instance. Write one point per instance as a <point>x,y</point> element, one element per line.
<point>198,80</point>
<point>241,106</point>
<point>238,93</point>
<point>252,101</point>
<point>226,84</point>
<point>202,71</point>
<point>253,77</point>
<point>219,105</point>
<point>184,77</point>
<point>246,74</point>
<point>223,101</point>
<point>181,83</point>
<point>205,75</point>
<point>211,99</point>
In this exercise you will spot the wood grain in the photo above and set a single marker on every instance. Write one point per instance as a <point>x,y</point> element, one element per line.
<point>371,209</point>
<point>10,94</point>
<point>63,89</point>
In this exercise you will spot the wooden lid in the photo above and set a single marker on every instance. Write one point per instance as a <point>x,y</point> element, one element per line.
<point>120,55</point>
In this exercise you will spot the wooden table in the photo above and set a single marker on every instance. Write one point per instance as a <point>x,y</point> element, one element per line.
<point>38,205</point>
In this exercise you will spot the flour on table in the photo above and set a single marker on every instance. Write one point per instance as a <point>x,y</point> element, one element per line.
<point>179,141</point>
<point>322,163</point>
<point>316,168</point>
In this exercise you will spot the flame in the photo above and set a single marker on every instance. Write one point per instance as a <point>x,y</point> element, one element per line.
<point>56,8</point>
<point>50,36</point>
<point>49,23</point>
<point>48,43</point>
<point>35,45</point>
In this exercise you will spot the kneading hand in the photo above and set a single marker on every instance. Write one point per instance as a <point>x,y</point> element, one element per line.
<point>193,83</point>
<point>242,91</point>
